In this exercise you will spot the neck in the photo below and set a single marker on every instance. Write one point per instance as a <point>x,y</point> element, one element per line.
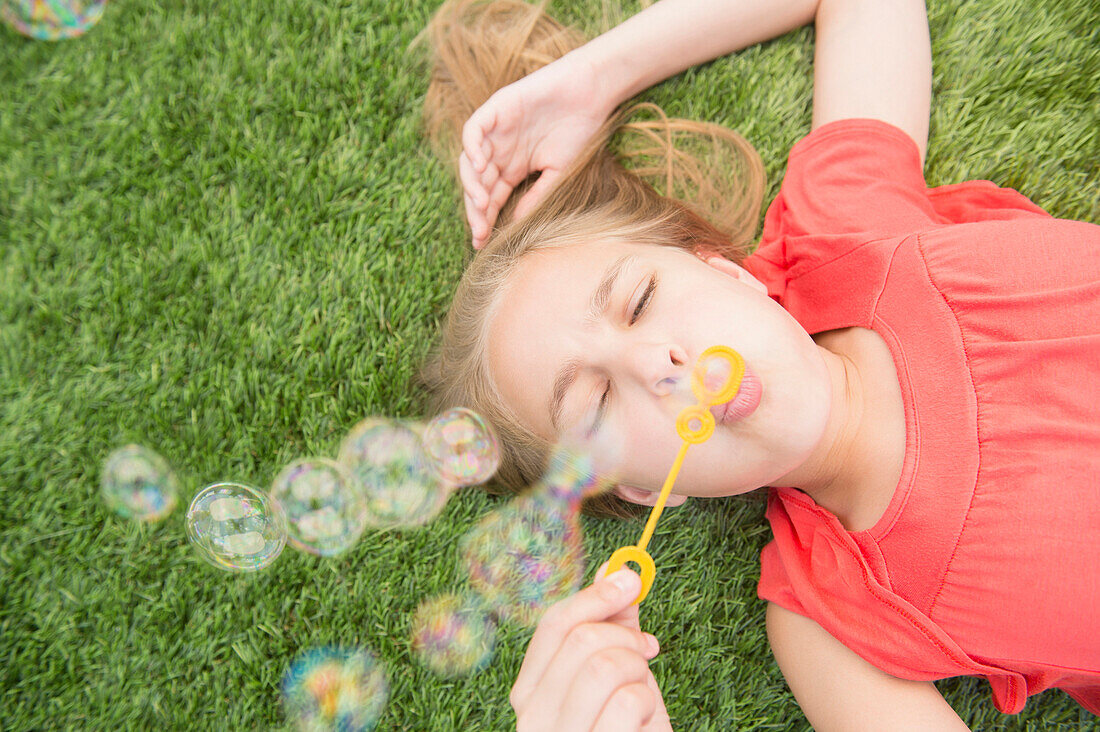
<point>845,458</point>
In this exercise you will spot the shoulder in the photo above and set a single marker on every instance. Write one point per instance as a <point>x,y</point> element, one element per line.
<point>846,183</point>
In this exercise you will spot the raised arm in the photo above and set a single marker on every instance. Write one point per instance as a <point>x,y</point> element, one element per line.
<point>873,59</point>
<point>838,690</point>
<point>673,35</point>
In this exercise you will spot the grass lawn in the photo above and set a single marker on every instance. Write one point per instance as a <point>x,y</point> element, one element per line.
<point>221,236</point>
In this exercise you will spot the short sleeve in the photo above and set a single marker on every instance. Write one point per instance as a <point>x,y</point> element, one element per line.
<point>852,176</point>
<point>774,585</point>
<point>857,186</point>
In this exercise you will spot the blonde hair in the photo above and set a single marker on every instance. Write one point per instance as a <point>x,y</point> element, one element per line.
<point>713,183</point>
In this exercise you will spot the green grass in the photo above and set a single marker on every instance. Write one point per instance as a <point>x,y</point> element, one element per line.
<point>221,237</point>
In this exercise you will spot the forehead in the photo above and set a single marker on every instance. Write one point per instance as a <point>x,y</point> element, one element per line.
<point>583,264</point>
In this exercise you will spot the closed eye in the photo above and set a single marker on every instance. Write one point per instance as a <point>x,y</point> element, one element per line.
<point>639,310</point>
<point>643,301</point>
<point>601,410</point>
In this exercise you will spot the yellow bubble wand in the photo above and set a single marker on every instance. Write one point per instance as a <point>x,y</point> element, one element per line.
<point>695,424</point>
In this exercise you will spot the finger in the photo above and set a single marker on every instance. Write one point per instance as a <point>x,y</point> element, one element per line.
<point>497,198</point>
<point>475,200</point>
<point>478,228</point>
<point>598,691</point>
<point>471,182</point>
<point>488,180</point>
<point>659,719</point>
<point>578,703</point>
<point>474,132</point>
<point>486,150</point>
<point>628,616</point>
<point>589,639</point>
<point>591,605</point>
<point>628,709</point>
<point>538,190</point>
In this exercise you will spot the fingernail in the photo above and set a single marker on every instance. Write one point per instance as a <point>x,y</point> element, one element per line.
<point>651,642</point>
<point>624,581</point>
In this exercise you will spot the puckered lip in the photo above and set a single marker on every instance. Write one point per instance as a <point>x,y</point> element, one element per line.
<point>743,403</point>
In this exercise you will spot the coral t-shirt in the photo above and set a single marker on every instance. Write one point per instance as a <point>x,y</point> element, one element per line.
<point>987,560</point>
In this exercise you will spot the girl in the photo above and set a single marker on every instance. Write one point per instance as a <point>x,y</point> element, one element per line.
<point>921,394</point>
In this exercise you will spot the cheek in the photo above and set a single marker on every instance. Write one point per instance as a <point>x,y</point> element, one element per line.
<point>646,439</point>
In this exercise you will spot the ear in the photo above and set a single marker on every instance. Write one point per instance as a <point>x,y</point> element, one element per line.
<point>646,498</point>
<point>732,269</point>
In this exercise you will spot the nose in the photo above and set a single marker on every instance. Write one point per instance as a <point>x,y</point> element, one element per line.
<point>659,368</point>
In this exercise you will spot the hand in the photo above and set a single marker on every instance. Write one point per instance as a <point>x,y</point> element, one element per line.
<point>587,666</point>
<point>539,123</point>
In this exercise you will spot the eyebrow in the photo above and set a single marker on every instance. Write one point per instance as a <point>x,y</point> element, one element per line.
<point>597,306</point>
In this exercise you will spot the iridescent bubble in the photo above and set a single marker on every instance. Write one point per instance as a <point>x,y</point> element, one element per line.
<point>138,483</point>
<point>463,447</point>
<point>335,689</point>
<point>51,20</point>
<point>236,527</point>
<point>325,515</point>
<point>573,475</point>
<point>526,556</point>
<point>453,635</point>
<point>386,461</point>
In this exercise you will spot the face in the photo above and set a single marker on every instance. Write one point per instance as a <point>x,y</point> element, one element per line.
<point>618,355</point>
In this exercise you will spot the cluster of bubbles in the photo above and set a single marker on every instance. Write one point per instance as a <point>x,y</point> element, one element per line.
<point>529,554</point>
<point>390,474</point>
<point>519,558</point>
<point>51,20</point>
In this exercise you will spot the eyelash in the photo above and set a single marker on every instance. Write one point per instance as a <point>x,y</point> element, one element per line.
<point>639,310</point>
<point>643,302</point>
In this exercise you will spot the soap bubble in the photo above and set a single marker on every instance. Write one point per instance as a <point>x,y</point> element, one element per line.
<point>325,515</point>
<point>236,527</point>
<point>573,474</point>
<point>335,689</point>
<point>453,635</point>
<point>387,463</point>
<point>463,447</point>
<point>51,20</point>
<point>137,483</point>
<point>529,554</point>
<point>526,556</point>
